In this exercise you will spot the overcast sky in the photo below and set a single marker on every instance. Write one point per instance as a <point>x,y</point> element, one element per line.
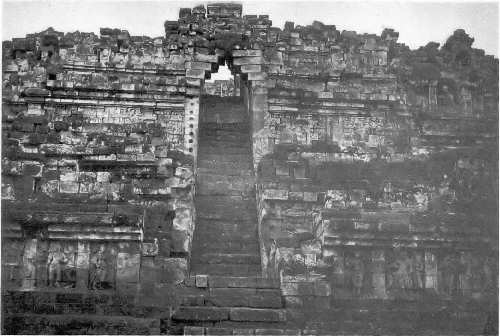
<point>418,22</point>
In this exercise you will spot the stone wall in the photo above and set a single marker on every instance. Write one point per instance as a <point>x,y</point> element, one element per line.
<point>376,165</point>
<point>98,160</point>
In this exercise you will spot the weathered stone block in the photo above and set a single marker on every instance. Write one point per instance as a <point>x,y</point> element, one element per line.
<point>247,52</point>
<point>275,194</point>
<point>188,330</point>
<point>206,58</point>
<point>127,267</point>
<point>171,270</point>
<point>199,65</point>
<point>201,281</point>
<point>150,249</point>
<point>195,73</point>
<point>250,314</point>
<point>248,60</point>
<point>254,68</point>
<point>201,314</point>
<point>253,75</point>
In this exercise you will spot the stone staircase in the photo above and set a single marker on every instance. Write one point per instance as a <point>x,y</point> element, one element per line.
<point>225,294</point>
<point>225,241</point>
<point>225,305</point>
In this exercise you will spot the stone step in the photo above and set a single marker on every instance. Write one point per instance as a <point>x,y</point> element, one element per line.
<point>218,178</point>
<point>221,187</point>
<point>235,297</point>
<point>245,250</point>
<point>242,158</point>
<point>209,168</point>
<point>217,281</point>
<point>220,138</point>
<point>226,212</point>
<point>245,297</point>
<point>224,111</point>
<point>235,234</point>
<point>227,225</point>
<point>242,325</point>
<point>236,314</point>
<point>235,167</point>
<point>226,269</point>
<point>242,282</point>
<point>224,248</point>
<point>222,149</point>
<point>224,117</point>
<point>227,258</point>
<point>239,133</point>
<point>218,236</point>
<point>239,202</point>
<point>196,330</point>
<point>226,126</point>
<point>227,246</point>
<point>214,140</point>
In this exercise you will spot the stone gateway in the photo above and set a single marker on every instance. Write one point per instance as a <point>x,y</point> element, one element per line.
<point>341,184</point>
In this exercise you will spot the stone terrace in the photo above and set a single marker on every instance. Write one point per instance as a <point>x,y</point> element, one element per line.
<point>351,188</point>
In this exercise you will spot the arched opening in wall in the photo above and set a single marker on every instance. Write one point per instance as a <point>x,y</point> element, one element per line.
<point>222,100</point>
<point>222,83</point>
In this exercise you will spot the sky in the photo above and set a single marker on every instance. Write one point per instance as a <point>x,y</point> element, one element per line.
<point>418,22</point>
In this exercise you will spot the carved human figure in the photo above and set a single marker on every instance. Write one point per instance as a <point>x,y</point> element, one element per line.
<point>388,192</point>
<point>391,269</point>
<point>465,273</point>
<point>476,276</point>
<point>401,268</point>
<point>449,277</point>
<point>57,263</point>
<point>69,269</point>
<point>418,270</point>
<point>489,282</point>
<point>337,262</point>
<point>97,268</point>
<point>357,273</point>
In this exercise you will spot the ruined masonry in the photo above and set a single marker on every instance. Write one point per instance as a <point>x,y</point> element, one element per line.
<point>349,185</point>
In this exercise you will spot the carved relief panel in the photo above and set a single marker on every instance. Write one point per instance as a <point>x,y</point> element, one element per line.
<point>102,266</point>
<point>61,264</point>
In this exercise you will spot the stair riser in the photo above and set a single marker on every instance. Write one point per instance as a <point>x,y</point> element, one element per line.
<point>225,194</point>
<point>222,170</point>
<point>252,301</point>
<point>217,237</point>
<point>229,248</point>
<point>240,159</point>
<point>225,269</point>
<point>237,225</point>
<point>223,167</point>
<point>229,207</point>
<point>219,258</point>
<point>225,200</point>
<point>240,331</point>
<point>227,150</point>
<point>218,314</point>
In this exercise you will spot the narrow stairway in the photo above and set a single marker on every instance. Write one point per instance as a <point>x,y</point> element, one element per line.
<point>222,305</point>
<point>225,240</point>
<point>225,293</point>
